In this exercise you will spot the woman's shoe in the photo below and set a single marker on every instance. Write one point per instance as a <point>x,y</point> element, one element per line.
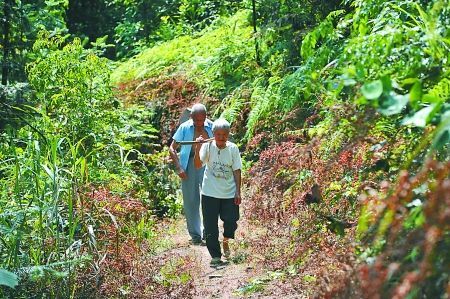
<point>226,248</point>
<point>217,262</point>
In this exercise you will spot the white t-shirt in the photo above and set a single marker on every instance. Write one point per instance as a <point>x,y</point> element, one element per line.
<point>218,180</point>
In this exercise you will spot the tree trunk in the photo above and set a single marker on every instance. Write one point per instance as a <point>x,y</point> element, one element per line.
<point>6,20</point>
<point>254,32</point>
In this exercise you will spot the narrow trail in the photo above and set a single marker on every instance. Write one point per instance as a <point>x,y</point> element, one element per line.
<point>210,282</point>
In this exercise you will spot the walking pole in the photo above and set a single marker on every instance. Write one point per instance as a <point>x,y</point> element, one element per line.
<point>195,142</point>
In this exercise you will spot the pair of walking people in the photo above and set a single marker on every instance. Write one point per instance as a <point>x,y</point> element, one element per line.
<point>211,171</point>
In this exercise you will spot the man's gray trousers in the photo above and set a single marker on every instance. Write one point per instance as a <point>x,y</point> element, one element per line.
<point>191,199</point>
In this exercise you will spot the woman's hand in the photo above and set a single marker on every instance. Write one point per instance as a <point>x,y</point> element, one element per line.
<point>199,143</point>
<point>237,180</point>
<point>197,146</point>
<point>237,199</point>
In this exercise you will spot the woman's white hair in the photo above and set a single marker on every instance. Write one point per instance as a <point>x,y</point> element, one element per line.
<point>221,124</point>
<point>198,108</point>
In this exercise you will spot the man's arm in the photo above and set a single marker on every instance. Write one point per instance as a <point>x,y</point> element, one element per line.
<point>173,154</point>
<point>237,180</point>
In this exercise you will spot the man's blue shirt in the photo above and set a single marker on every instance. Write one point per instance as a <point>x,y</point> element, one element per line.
<point>185,132</point>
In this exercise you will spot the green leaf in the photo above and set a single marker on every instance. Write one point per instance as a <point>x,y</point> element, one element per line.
<point>428,98</point>
<point>387,83</point>
<point>416,218</point>
<point>372,90</point>
<point>442,136</point>
<point>393,103</point>
<point>349,82</point>
<point>309,278</point>
<point>415,95</point>
<point>409,81</point>
<point>361,101</point>
<point>363,222</point>
<point>413,256</point>
<point>420,118</point>
<point>8,279</point>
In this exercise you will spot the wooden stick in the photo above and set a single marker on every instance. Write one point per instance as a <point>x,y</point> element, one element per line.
<point>194,142</point>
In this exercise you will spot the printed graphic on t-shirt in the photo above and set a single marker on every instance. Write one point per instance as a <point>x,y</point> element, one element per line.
<point>221,170</point>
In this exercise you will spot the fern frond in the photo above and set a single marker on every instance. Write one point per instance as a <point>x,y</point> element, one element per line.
<point>232,105</point>
<point>441,90</point>
<point>384,128</point>
<point>265,101</point>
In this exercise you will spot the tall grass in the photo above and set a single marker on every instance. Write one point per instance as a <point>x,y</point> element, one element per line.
<point>40,223</point>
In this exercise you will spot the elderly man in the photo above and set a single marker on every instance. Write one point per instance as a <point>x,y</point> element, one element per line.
<point>191,178</point>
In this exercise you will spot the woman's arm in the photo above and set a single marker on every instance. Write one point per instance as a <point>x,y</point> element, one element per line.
<point>197,162</point>
<point>237,180</point>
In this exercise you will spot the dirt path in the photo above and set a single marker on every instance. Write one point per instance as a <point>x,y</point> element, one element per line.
<point>210,282</point>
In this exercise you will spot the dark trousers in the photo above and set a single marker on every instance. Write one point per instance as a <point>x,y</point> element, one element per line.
<point>228,211</point>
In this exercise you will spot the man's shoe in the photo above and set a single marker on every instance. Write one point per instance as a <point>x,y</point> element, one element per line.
<point>197,242</point>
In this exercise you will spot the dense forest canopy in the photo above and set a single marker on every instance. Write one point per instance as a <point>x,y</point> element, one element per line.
<point>341,110</point>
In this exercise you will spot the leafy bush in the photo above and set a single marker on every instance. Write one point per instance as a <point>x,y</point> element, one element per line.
<point>162,185</point>
<point>72,86</point>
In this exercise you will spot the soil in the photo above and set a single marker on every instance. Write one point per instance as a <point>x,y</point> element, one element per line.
<point>225,282</point>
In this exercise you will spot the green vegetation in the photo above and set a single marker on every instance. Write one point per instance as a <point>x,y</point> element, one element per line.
<point>219,59</point>
<point>57,149</point>
<point>342,111</point>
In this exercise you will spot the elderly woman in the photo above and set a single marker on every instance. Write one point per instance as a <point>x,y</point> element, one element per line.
<point>221,188</point>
